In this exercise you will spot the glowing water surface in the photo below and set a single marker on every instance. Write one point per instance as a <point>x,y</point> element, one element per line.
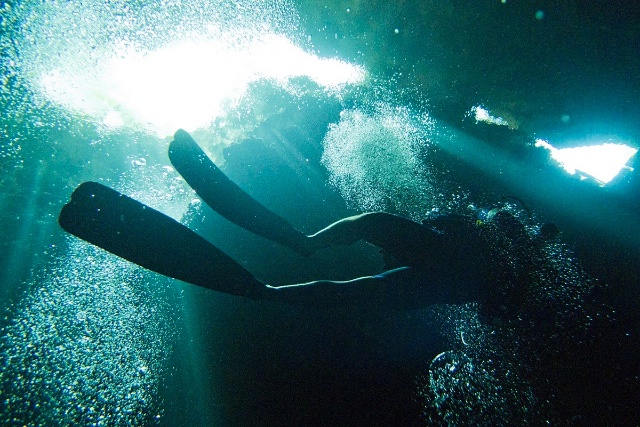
<point>600,161</point>
<point>158,68</point>
<point>603,161</point>
<point>188,83</point>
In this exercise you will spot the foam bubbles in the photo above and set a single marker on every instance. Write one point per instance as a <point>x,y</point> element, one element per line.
<point>86,347</point>
<point>374,160</point>
<point>475,382</point>
<point>497,366</point>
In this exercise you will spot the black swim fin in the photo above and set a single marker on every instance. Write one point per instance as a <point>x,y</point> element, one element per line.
<point>226,198</point>
<point>144,236</point>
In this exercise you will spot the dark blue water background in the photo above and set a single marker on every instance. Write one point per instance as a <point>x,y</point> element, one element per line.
<point>89,340</point>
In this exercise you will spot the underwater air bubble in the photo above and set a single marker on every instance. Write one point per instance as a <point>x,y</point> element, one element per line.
<point>374,160</point>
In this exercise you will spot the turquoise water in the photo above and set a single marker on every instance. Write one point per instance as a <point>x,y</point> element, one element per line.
<point>318,111</point>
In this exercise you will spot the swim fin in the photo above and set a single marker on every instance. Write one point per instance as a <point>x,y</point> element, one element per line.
<point>150,239</point>
<point>226,198</point>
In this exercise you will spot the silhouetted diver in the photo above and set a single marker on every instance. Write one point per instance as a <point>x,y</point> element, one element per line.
<point>443,260</point>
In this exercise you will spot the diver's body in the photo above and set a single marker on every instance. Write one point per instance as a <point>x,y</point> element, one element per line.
<point>431,265</point>
<point>443,260</point>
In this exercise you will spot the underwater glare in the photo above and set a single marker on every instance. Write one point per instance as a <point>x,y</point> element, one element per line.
<point>164,67</point>
<point>603,162</point>
<point>187,83</point>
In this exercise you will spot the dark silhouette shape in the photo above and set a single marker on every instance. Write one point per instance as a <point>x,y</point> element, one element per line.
<point>442,260</point>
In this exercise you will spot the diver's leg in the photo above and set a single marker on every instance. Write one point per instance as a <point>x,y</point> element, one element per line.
<point>144,236</point>
<point>392,233</point>
<point>400,237</point>
<point>403,288</point>
<point>229,200</point>
<point>150,239</point>
<point>341,233</point>
<point>384,290</point>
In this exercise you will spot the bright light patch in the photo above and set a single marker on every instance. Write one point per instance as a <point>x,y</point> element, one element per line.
<point>189,83</point>
<point>602,162</point>
<point>482,115</point>
<point>113,119</point>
